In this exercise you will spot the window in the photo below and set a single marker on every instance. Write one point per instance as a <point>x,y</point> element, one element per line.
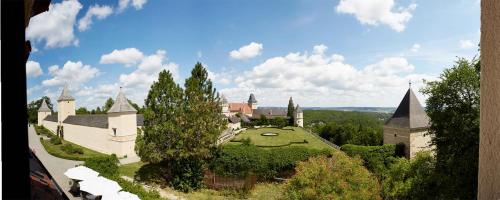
<point>114,131</point>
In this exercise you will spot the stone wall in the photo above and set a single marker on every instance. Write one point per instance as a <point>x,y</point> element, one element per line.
<point>419,142</point>
<point>398,135</point>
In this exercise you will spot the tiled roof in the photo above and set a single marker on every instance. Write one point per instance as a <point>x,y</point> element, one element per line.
<point>44,107</point>
<point>51,117</point>
<point>252,99</point>
<point>240,107</point>
<point>409,113</point>
<point>269,112</point>
<point>98,121</point>
<point>65,96</point>
<point>121,104</point>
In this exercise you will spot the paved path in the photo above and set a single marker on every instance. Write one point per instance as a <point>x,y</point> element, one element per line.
<point>55,166</point>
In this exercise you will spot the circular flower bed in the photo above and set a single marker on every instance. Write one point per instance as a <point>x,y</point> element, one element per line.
<point>269,134</point>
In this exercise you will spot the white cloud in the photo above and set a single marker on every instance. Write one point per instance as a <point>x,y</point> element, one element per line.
<point>318,79</point>
<point>137,4</point>
<point>415,48</point>
<point>100,12</point>
<point>245,52</point>
<point>128,57</point>
<point>466,44</point>
<point>199,54</point>
<point>73,73</point>
<point>33,69</point>
<point>375,12</point>
<point>55,26</point>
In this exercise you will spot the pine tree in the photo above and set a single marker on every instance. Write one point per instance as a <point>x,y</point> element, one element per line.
<point>291,112</point>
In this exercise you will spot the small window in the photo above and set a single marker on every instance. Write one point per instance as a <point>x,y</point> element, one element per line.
<point>114,131</point>
<point>395,135</point>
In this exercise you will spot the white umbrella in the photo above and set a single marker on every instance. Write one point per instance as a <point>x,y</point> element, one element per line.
<point>127,196</point>
<point>111,196</point>
<point>99,186</point>
<point>81,173</point>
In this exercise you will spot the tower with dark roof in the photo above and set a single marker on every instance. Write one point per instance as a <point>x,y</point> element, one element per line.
<point>252,102</point>
<point>224,105</point>
<point>43,112</point>
<point>409,126</point>
<point>299,116</point>
<point>65,105</point>
<point>122,117</point>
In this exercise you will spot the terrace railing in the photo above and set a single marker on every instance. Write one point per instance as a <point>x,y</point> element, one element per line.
<point>324,140</point>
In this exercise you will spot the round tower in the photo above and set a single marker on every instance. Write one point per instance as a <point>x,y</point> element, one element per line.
<point>299,116</point>
<point>43,112</point>
<point>252,102</point>
<point>122,117</point>
<point>225,106</point>
<point>65,105</point>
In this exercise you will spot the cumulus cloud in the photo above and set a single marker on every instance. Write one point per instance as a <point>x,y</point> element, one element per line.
<point>100,12</point>
<point>415,48</point>
<point>466,44</point>
<point>319,79</point>
<point>245,52</point>
<point>375,12</point>
<point>137,4</point>
<point>55,26</point>
<point>72,73</point>
<point>128,57</point>
<point>33,69</point>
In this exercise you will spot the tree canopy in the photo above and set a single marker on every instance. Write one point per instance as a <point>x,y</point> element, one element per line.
<point>290,112</point>
<point>33,107</point>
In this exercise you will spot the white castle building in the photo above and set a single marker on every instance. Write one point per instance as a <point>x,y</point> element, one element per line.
<point>114,132</point>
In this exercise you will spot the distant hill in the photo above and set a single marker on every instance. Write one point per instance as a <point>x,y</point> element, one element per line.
<point>358,109</point>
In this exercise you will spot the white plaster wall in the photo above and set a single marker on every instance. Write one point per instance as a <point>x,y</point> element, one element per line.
<point>64,109</point>
<point>52,126</point>
<point>41,116</point>
<point>234,126</point>
<point>125,123</point>
<point>419,142</point>
<point>398,135</point>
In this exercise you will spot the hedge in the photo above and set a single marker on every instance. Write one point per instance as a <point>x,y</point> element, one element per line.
<point>376,158</point>
<point>71,149</point>
<point>243,160</point>
<point>41,130</point>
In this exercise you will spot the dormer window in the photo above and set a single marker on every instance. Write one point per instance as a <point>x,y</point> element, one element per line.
<point>114,131</point>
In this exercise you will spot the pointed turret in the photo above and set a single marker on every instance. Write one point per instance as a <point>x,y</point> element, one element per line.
<point>122,117</point>
<point>252,102</point>
<point>43,112</point>
<point>409,114</point>
<point>65,96</point>
<point>44,107</point>
<point>121,104</point>
<point>299,116</point>
<point>65,105</point>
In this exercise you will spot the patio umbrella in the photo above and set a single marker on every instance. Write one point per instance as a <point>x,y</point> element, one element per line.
<point>127,196</point>
<point>99,186</point>
<point>111,196</point>
<point>81,173</point>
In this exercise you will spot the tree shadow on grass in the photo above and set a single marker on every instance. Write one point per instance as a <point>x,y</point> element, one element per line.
<point>152,173</point>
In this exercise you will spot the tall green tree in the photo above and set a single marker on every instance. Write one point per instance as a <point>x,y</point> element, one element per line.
<point>139,109</point>
<point>453,107</point>
<point>108,104</point>
<point>33,107</point>
<point>82,111</point>
<point>290,112</point>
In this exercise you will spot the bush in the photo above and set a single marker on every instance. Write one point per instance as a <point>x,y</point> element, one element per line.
<point>241,161</point>
<point>336,177</point>
<point>107,166</point>
<point>376,158</point>
<point>55,140</point>
<point>187,174</point>
<point>41,130</point>
<point>71,149</point>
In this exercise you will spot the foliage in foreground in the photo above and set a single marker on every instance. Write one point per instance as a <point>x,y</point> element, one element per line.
<point>453,107</point>
<point>335,177</point>
<point>376,158</point>
<point>411,179</point>
<point>243,160</point>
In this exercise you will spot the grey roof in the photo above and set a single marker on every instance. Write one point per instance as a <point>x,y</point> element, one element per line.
<point>252,99</point>
<point>44,107</point>
<point>121,104</point>
<point>409,113</point>
<point>234,119</point>
<point>298,109</point>
<point>98,121</point>
<point>65,96</point>
<point>51,117</point>
<point>269,112</point>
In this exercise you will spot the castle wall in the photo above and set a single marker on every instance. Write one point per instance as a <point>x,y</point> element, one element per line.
<point>398,135</point>
<point>64,109</point>
<point>125,124</point>
<point>419,142</point>
<point>52,126</point>
<point>41,116</point>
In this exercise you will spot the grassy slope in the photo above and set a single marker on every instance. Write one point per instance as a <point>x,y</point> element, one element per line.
<point>130,169</point>
<point>284,137</point>
<point>56,151</point>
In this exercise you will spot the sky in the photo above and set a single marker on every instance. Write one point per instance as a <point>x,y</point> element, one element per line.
<point>323,53</point>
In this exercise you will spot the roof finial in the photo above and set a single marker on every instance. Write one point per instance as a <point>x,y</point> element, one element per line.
<point>409,83</point>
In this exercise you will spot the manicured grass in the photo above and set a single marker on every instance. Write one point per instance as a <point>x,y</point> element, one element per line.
<point>56,150</point>
<point>130,169</point>
<point>285,137</point>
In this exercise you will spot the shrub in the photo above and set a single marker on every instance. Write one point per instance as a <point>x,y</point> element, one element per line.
<point>335,177</point>
<point>376,158</point>
<point>55,140</point>
<point>71,149</point>
<point>107,166</point>
<point>246,142</point>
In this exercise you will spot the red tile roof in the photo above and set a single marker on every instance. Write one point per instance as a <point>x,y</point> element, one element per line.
<point>240,107</point>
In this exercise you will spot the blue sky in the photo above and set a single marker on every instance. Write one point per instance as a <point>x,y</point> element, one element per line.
<point>322,53</point>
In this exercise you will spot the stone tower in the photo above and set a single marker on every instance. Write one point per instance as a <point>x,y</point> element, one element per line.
<point>43,112</point>
<point>252,102</point>
<point>299,116</point>
<point>122,117</point>
<point>408,125</point>
<point>225,106</point>
<point>65,105</point>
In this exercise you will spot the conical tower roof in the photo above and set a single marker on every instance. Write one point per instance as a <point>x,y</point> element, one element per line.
<point>121,104</point>
<point>65,96</point>
<point>298,109</point>
<point>409,113</point>
<point>252,99</point>
<point>44,107</point>
<point>223,99</point>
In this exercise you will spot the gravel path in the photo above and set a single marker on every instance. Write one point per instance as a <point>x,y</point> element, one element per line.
<point>55,166</point>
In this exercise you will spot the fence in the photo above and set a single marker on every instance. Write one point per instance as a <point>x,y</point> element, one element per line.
<point>213,181</point>
<point>323,139</point>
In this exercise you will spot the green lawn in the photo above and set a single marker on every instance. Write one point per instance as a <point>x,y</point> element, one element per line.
<point>285,137</point>
<point>56,151</point>
<point>130,169</point>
